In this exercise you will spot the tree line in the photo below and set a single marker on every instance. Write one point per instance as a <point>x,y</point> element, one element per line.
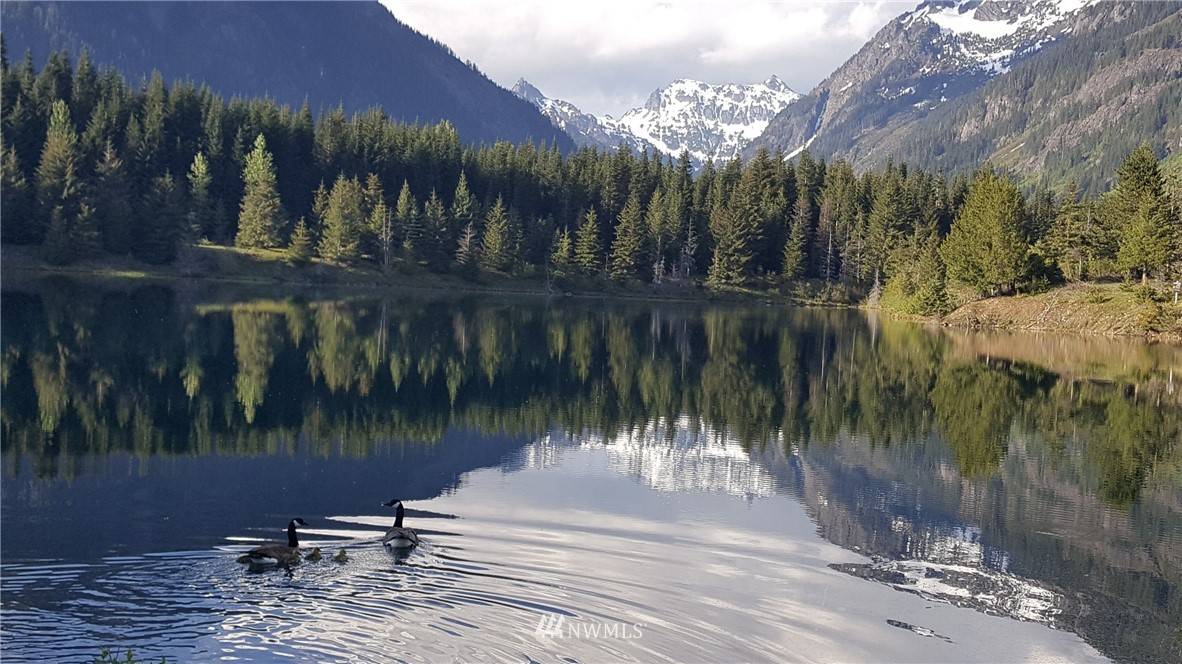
<point>93,165</point>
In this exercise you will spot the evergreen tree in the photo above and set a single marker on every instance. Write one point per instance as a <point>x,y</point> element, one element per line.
<point>1145,241</point>
<point>496,252</point>
<point>406,220</point>
<point>466,249</point>
<point>299,248</point>
<point>260,218</point>
<point>627,255</point>
<point>163,221</point>
<point>657,223</point>
<point>435,233</point>
<point>15,200</point>
<point>732,249</point>
<point>112,203</point>
<point>1139,210</point>
<point>795,258</point>
<point>201,211</point>
<point>464,209</point>
<point>1066,243</point>
<point>587,252</point>
<point>58,182</point>
<point>562,258</point>
<point>380,226</point>
<point>985,249</point>
<point>319,207</point>
<point>58,247</point>
<point>340,234</point>
<point>885,223</point>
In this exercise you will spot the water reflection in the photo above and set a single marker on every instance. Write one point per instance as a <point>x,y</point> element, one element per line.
<point>1034,477</point>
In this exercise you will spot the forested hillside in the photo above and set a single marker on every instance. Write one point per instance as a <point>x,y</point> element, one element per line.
<point>91,165</point>
<point>323,53</point>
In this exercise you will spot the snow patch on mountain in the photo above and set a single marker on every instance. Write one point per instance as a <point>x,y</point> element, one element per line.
<point>988,34</point>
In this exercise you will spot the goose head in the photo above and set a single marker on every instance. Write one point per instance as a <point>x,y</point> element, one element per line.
<point>291,531</point>
<point>398,510</point>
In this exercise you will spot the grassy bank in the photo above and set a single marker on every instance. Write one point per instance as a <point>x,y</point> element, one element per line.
<point>1101,309</point>
<point>257,269</point>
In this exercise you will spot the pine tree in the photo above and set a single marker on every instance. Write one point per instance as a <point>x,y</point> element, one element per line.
<point>985,249</point>
<point>587,252</point>
<point>435,233</point>
<point>319,207</point>
<point>340,234</point>
<point>299,248</point>
<point>885,224</point>
<point>260,217</point>
<point>466,249</point>
<point>931,292</point>
<point>15,200</point>
<point>627,255</point>
<point>562,255</point>
<point>385,229</point>
<point>1141,210</point>
<point>112,203</point>
<point>464,209</point>
<point>1145,240</point>
<point>200,214</point>
<point>406,220</point>
<point>795,256</point>
<point>58,183</point>
<point>1066,243</point>
<point>58,247</point>
<point>732,249</point>
<point>495,244</point>
<point>163,222</point>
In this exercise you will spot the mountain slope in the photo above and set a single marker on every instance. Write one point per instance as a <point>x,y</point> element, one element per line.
<point>353,53</point>
<point>708,121</point>
<point>1055,89</point>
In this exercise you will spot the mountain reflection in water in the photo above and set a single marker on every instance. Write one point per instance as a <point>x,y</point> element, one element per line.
<point>1032,477</point>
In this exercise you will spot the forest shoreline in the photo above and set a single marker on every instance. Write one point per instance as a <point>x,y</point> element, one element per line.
<point>1109,310</point>
<point>268,269</point>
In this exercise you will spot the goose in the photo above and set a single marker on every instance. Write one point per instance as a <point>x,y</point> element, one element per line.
<point>398,537</point>
<point>314,556</point>
<point>272,554</point>
<point>341,556</point>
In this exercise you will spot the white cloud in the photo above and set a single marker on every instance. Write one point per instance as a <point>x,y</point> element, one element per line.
<point>606,56</point>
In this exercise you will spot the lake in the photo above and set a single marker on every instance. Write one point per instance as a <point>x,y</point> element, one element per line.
<point>593,481</point>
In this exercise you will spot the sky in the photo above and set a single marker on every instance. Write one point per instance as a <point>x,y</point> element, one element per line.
<point>606,56</point>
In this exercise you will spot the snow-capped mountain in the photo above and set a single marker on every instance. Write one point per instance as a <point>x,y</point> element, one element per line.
<point>920,62</point>
<point>586,129</point>
<point>707,121</point>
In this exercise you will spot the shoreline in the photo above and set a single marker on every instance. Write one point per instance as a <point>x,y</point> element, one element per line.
<point>1107,310</point>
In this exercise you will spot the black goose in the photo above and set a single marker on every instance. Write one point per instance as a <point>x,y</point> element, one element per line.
<point>277,554</point>
<point>398,537</point>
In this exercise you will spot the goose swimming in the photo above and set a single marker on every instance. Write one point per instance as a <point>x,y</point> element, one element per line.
<point>398,537</point>
<point>341,556</point>
<point>314,556</point>
<point>277,554</point>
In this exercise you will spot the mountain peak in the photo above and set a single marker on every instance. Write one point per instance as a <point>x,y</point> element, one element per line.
<point>526,90</point>
<point>776,83</point>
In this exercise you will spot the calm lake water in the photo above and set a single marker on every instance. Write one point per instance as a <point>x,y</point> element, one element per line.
<point>593,481</point>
